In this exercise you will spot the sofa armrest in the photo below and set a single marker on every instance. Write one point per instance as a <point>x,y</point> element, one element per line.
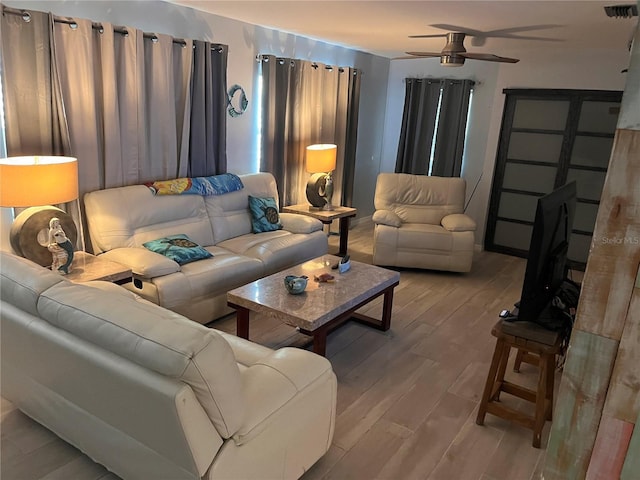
<point>274,381</point>
<point>458,222</point>
<point>142,262</point>
<point>295,223</point>
<point>386,217</point>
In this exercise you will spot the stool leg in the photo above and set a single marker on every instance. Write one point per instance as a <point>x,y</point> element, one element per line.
<point>518,361</point>
<point>502,368</point>
<point>541,400</point>
<point>550,385</point>
<point>488,387</point>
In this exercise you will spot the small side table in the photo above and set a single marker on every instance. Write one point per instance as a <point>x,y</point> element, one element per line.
<point>87,267</point>
<point>327,216</point>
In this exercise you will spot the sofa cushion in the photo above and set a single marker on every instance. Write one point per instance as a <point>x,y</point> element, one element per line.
<point>229,214</point>
<point>129,216</point>
<point>154,338</point>
<point>179,248</point>
<point>23,281</point>
<point>264,214</point>
<point>419,198</point>
<point>143,262</point>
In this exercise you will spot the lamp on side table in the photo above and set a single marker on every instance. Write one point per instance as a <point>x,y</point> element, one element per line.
<point>37,182</point>
<point>321,161</point>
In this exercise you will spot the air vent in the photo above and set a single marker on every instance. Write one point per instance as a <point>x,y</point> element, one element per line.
<point>622,11</point>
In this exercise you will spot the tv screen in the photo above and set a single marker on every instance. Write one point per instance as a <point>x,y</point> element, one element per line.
<point>547,259</point>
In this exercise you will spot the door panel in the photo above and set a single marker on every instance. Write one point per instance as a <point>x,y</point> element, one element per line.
<point>536,147</point>
<point>548,138</point>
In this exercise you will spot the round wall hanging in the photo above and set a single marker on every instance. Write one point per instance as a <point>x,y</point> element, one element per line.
<point>241,104</point>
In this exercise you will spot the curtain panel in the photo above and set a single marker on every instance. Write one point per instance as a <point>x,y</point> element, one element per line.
<point>305,103</point>
<point>208,139</point>
<point>434,123</point>
<point>116,98</point>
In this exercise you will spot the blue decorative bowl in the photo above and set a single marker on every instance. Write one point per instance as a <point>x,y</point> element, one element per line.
<point>294,284</point>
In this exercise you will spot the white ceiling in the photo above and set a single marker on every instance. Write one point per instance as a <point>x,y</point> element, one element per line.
<point>382,27</point>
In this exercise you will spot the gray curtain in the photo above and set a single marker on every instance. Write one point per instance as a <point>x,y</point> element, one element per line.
<point>208,140</point>
<point>354,79</point>
<point>433,108</point>
<point>34,124</point>
<point>304,103</point>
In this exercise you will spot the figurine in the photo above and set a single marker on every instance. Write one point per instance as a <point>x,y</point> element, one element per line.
<point>60,247</point>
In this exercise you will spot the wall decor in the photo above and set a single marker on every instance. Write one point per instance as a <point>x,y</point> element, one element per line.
<point>235,110</point>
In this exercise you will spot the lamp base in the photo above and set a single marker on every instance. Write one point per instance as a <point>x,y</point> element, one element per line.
<point>29,235</point>
<point>316,189</point>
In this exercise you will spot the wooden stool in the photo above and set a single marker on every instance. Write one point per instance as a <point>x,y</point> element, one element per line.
<point>535,345</point>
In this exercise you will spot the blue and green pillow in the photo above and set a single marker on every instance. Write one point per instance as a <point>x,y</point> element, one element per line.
<point>264,214</point>
<point>179,248</point>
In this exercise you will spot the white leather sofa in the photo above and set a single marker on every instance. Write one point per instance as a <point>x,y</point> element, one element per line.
<point>150,394</point>
<point>419,223</point>
<point>121,219</point>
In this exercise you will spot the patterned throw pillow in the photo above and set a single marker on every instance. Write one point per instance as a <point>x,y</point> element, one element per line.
<point>179,248</point>
<point>264,214</point>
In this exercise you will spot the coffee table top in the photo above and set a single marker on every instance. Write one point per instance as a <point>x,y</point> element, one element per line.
<point>320,302</point>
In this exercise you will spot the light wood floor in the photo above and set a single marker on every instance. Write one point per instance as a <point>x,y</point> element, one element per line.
<point>407,398</point>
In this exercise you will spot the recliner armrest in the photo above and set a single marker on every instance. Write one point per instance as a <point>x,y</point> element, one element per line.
<point>458,222</point>
<point>386,217</point>
<point>296,223</point>
<point>273,381</point>
<point>142,262</point>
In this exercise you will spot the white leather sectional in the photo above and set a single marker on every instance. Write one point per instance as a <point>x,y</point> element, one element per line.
<point>150,394</point>
<point>121,219</point>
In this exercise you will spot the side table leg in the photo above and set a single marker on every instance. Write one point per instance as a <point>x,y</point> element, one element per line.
<point>242,322</point>
<point>344,236</point>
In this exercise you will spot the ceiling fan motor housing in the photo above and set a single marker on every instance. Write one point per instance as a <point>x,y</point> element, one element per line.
<point>451,52</point>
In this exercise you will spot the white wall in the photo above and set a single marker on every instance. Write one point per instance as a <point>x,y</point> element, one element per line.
<point>245,41</point>
<point>553,68</point>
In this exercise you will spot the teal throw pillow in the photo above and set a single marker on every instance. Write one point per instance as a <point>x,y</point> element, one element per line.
<point>264,214</point>
<point>179,248</point>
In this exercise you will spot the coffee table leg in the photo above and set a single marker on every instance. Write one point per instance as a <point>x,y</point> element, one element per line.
<point>387,304</point>
<point>320,342</point>
<point>242,322</point>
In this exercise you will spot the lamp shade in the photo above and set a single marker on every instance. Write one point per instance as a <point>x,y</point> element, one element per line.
<point>38,180</point>
<point>321,158</point>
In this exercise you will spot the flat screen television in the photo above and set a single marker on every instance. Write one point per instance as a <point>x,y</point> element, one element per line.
<point>547,260</point>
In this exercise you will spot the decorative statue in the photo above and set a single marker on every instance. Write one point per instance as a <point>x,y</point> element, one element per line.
<point>60,247</point>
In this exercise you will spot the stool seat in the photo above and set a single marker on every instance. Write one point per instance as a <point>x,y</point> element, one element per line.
<point>535,345</point>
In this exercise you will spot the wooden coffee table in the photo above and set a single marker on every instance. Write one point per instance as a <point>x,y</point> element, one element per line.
<point>322,306</point>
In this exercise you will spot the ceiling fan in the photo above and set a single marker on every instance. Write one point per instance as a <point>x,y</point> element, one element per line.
<point>454,54</point>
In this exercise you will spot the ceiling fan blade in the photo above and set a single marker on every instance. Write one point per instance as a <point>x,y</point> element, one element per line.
<point>428,36</point>
<point>508,32</point>
<point>455,28</point>
<point>424,54</point>
<point>489,57</point>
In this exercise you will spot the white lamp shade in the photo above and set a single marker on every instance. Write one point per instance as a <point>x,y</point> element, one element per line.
<point>321,158</point>
<point>38,180</point>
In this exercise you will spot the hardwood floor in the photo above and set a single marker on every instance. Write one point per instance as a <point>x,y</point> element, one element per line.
<point>407,398</point>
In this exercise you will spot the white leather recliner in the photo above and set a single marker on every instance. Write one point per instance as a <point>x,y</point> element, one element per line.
<point>419,223</point>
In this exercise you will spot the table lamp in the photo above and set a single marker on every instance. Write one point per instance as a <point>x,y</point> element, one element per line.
<point>37,182</point>
<point>321,161</point>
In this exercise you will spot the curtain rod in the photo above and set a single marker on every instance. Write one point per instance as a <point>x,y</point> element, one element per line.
<point>26,16</point>
<point>314,65</point>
